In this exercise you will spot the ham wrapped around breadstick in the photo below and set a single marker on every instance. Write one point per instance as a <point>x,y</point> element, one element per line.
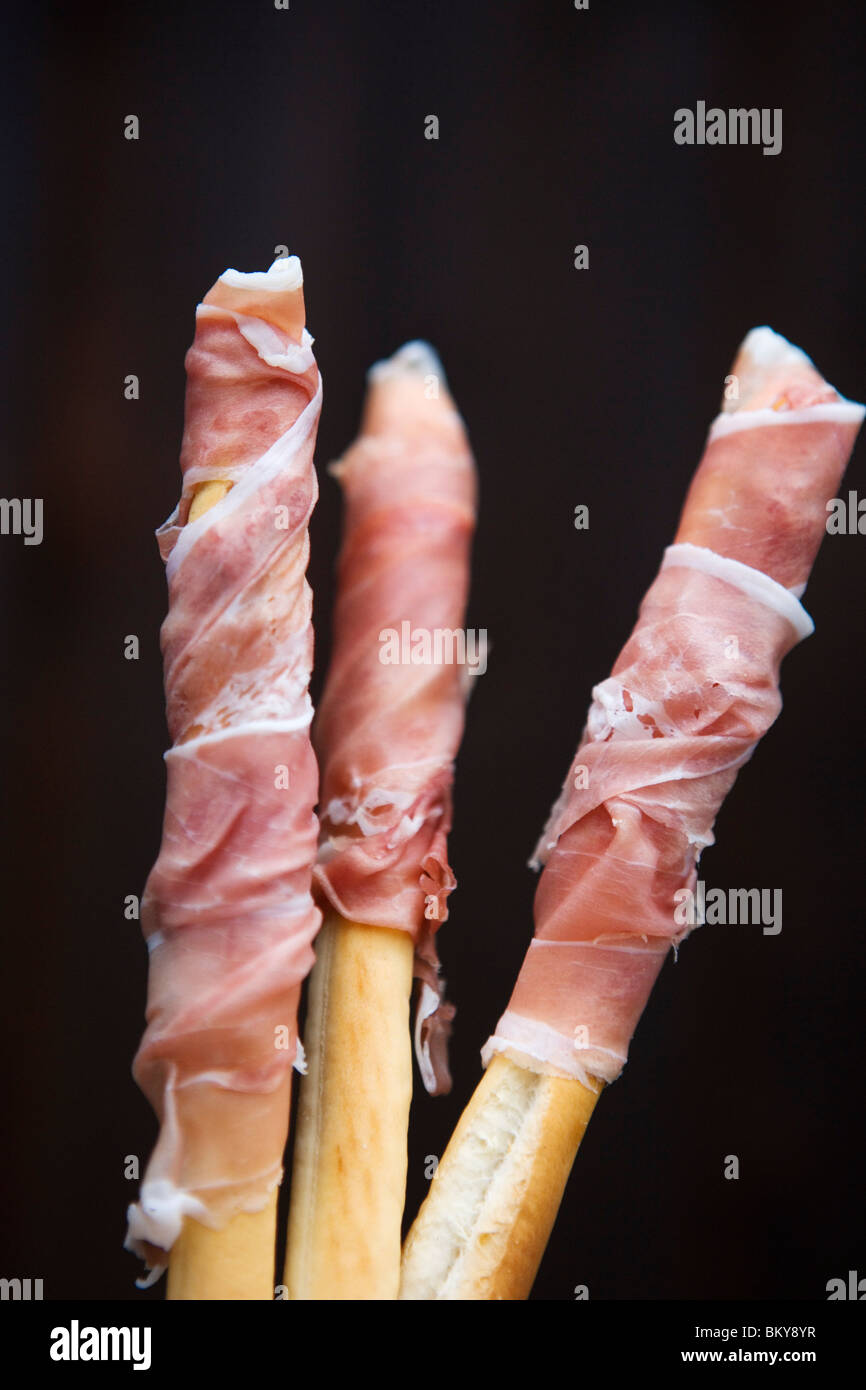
<point>691,694</point>
<point>387,732</point>
<point>227,911</point>
<point>391,716</point>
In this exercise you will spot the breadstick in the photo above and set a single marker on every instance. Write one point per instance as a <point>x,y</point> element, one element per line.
<point>690,696</point>
<point>387,733</point>
<point>482,1230</point>
<point>236,1262</point>
<point>349,1162</point>
<point>227,910</point>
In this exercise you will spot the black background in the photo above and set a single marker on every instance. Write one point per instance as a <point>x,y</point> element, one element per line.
<point>306,127</point>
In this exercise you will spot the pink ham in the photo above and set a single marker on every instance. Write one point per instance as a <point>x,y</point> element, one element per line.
<point>692,692</point>
<point>387,734</point>
<point>227,910</point>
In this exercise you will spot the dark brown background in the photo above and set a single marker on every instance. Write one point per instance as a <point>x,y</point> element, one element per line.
<point>306,127</point>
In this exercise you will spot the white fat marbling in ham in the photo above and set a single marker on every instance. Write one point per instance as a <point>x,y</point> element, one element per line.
<point>387,735</point>
<point>227,909</point>
<point>691,694</point>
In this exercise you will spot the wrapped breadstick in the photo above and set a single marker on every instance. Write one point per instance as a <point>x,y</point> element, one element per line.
<point>387,731</point>
<point>227,911</point>
<point>692,693</point>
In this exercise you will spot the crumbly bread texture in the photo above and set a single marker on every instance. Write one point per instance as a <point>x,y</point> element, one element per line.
<point>484,1226</point>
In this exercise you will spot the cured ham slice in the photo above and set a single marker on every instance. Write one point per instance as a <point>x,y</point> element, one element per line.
<point>227,910</point>
<point>692,692</point>
<point>387,731</point>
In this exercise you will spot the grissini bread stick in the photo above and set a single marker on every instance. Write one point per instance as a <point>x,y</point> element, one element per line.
<point>693,691</point>
<point>227,910</point>
<point>387,731</point>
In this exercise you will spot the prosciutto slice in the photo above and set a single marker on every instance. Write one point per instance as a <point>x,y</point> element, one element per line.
<point>692,692</point>
<point>391,717</point>
<point>227,910</point>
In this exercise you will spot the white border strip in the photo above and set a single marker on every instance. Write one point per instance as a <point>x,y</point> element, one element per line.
<point>540,1048</point>
<point>283,274</point>
<point>255,726</point>
<point>840,412</point>
<point>277,459</point>
<point>753,582</point>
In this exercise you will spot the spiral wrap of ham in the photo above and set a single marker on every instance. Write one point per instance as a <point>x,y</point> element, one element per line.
<point>227,910</point>
<point>691,694</point>
<point>387,731</point>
